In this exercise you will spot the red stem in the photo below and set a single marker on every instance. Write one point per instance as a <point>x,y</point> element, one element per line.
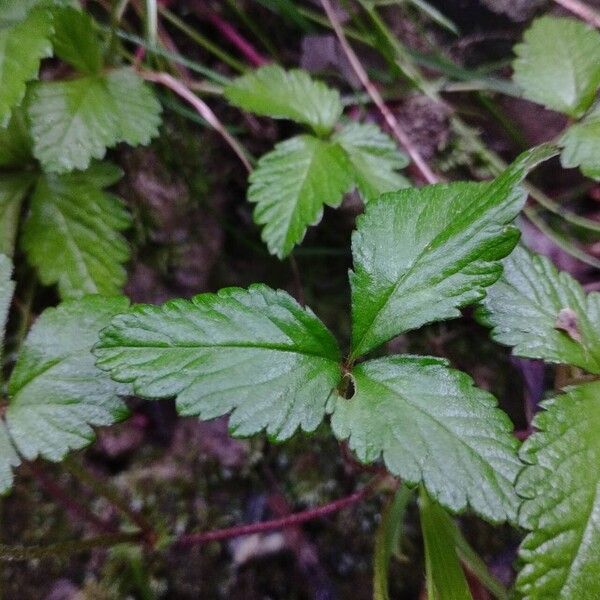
<point>231,33</point>
<point>193,539</point>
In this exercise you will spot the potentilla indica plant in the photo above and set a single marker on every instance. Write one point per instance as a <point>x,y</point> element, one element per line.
<point>270,364</point>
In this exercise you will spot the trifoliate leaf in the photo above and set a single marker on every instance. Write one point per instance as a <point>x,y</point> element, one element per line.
<point>22,46</point>
<point>56,392</point>
<point>432,426</point>
<point>561,499</point>
<point>445,576</point>
<point>558,64</point>
<point>281,94</point>
<point>291,185</point>
<point>582,145</point>
<point>375,159</point>
<point>13,189</point>
<point>75,121</point>
<point>75,40</point>
<point>421,254</point>
<point>255,353</point>
<point>15,145</point>
<point>72,234</point>
<point>543,313</point>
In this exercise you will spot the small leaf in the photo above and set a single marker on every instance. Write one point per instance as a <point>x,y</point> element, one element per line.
<point>13,189</point>
<point>558,64</point>
<point>75,121</point>
<point>72,234</point>
<point>291,185</point>
<point>581,146</point>
<point>375,159</point>
<point>543,313</point>
<point>432,426</point>
<point>56,392</point>
<point>255,353</point>
<point>445,577</point>
<point>22,46</point>
<point>421,254</point>
<point>75,40</point>
<point>561,499</point>
<point>281,94</point>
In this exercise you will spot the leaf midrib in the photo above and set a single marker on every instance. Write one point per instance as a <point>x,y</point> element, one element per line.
<point>241,345</point>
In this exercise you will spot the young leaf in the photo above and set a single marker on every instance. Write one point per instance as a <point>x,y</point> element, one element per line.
<point>432,426</point>
<point>421,254</point>
<point>445,576</point>
<point>560,486</point>
<point>56,392</point>
<point>375,159</point>
<point>75,121</point>
<point>255,353</point>
<point>13,189</point>
<point>72,234</point>
<point>22,46</point>
<point>75,40</point>
<point>281,94</point>
<point>558,64</point>
<point>543,313</point>
<point>291,185</point>
<point>581,145</point>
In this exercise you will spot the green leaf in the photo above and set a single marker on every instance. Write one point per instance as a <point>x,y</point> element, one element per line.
<point>75,121</point>
<point>421,254</point>
<point>432,426</point>
<point>543,313</point>
<point>387,540</point>
<point>9,459</point>
<point>281,94</point>
<point>13,189</point>
<point>582,145</point>
<point>15,11</point>
<point>15,145</point>
<point>56,392</point>
<point>375,159</point>
<point>255,353</point>
<point>8,456</point>
<point>561,499</point>
<point>7,288</point>
<point>75,40</point>
<point>72,235</point>
<point>558,64</point>
<point>22,46</point>
<point>291,185</point>
<point>445,577</point>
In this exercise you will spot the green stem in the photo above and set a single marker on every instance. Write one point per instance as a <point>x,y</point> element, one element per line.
<point>201,40</point>
<point>20,553</point>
